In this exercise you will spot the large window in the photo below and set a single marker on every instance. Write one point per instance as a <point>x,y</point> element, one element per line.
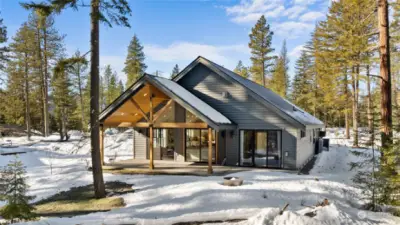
<point>260,148</point>
<point>197,145</point>
<point>163,139</point>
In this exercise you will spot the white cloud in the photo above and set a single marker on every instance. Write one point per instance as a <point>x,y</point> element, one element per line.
<point>311,16</point>
<point>296,51</point>
<point>186,51</point>
<point>248,18</point>
<point>248,7</point>
<point>294,12</point>
<point>304,2</point>
<point>275,12</point>
<point>250,11</point>
<point>291,29</point>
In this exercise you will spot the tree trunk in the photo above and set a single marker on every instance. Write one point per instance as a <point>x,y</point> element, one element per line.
<point>370,115</point>
<point>98,182</point>
<point>386,95</point>
<point>26,93</point>
<point>263,72</point>
<point>40,68</point>
<point>355,106</point>
<point>45,85</point>
<point>346,110</point>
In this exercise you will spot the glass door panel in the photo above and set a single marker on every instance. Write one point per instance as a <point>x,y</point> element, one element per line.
<point>193,139</point>
<point>274,150</point>
<point>260,151</point>
<point>246,147</point>
<point>204,146</point>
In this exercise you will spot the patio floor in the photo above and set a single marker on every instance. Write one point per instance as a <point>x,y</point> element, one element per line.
<point>164,167</point>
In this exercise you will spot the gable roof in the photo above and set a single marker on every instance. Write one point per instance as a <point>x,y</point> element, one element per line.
<point>176,92</point>
<point>264,95</point>
<point>192,100</point>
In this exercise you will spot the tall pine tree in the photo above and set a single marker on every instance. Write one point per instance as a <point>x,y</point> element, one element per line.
<point>134,63</point>
<point>260,45</point>
<point>280,78</point>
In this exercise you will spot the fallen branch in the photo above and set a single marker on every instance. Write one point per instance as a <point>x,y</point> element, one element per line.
<point>284,208</point>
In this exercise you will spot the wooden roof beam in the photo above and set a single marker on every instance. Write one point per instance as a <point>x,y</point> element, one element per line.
<point>162,110</point>
<point>136,105</point>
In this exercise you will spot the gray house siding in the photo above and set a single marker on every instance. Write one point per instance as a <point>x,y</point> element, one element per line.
<point>289,147</point>
<point>179,134</point>
<point>238,106</point>
<point>140,143</point>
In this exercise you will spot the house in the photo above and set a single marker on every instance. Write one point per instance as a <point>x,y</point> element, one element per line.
<point>208,113</point>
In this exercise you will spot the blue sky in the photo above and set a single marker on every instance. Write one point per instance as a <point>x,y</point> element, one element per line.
<point>177,31</point>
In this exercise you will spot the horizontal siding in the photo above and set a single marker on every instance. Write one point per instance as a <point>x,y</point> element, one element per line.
<point>239,106</point>
<point>289,148</point>
<point>305,148</point>
<point>140,144</point>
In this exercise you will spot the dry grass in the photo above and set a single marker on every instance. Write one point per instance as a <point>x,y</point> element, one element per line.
<point>81,200</point>
<point>132,171</point>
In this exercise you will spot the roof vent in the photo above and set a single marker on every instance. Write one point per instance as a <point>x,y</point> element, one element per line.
<point>294,108</point>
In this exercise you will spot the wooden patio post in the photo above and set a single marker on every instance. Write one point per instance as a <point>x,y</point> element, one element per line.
<point>210,170</point>
<point>151,147</point>
<point>216,146</point>
<point>102,144</point>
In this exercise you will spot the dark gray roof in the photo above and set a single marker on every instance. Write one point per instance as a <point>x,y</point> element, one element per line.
<point>266,94</point>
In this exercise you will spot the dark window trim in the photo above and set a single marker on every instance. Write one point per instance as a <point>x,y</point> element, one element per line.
<point>266,167</point>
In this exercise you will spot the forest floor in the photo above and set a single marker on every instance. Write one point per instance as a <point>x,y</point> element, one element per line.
<point>54,166</point>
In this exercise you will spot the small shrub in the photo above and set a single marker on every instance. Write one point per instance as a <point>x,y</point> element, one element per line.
<point>13,190</point>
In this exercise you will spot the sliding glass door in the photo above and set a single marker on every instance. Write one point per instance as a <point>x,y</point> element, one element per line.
<point>197,145</point>
<point>260,148</point>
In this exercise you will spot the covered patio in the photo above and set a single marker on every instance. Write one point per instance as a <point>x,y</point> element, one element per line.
<point>169,123</point>
<point>141,166</point>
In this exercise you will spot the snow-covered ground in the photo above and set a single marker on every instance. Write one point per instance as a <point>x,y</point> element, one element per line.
<point>171,199</point>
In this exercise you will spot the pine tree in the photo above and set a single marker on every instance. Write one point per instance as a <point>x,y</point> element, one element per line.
<point>260,45</point>
<point>110,85</point>
<point>175,71</point>
<point>280,78</point>
<point>22,49</point>
<point>106,85</point>
<point>13,105</point>
<point>303,82</point>
<point>63,96</point>
<point>14,189</point>
<point>3,49</point>
<point>111,12</point>
<point>79,73</point>
<point>121,87</point>
<point>242,70</point>
<point>134,63</point>
<point>48,45</point>
<point>395,63</point>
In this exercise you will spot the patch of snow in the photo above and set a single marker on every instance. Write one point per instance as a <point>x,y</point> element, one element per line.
<point>171,199</point>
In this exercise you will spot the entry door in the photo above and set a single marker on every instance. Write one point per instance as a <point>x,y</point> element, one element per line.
<point>260,150</point>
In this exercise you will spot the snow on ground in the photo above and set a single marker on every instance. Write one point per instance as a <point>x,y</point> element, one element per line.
<point>171,199</point>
